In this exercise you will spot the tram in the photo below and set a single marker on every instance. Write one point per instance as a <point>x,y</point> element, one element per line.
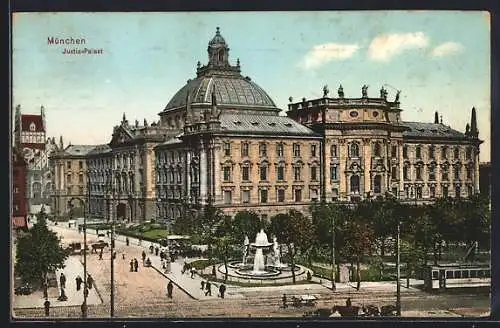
<point>446,276</point>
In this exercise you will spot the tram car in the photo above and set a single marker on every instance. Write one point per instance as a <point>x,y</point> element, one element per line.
<point>447,276</point>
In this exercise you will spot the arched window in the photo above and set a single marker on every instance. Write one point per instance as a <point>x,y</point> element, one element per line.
<point>377,184</point>
<point>354,150</point>
<point>355,184</point>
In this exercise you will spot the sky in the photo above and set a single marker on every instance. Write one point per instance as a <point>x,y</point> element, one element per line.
<point>439,60</point>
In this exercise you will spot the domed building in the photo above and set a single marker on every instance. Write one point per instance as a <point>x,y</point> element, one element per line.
<point>234,150</point>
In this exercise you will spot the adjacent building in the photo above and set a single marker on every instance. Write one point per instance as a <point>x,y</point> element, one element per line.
<point>485,178</point>
<point>30,137</point>
<point>19,201</point>
<point>69,171</point>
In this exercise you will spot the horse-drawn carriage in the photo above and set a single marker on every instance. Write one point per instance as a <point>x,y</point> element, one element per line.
<point>99,246</point>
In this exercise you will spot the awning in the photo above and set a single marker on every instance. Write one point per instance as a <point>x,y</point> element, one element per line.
<point>19,222</point>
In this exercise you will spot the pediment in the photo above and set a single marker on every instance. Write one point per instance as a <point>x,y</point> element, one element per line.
<point>120,135</point>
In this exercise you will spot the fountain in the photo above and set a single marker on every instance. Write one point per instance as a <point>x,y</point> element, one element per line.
<point>267,266</point>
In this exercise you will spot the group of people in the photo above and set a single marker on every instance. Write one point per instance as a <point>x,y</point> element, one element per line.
<point>134,265</point>
<point>78,280</point>
<point>207,287</point>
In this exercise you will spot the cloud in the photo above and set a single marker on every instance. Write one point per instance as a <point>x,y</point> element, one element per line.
<point>324,53</point>
<point>384,47</point>
<point>446,48</point>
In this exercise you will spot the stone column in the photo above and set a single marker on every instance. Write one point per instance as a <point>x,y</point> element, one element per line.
<point>216,185</point>
<point>343,181</point>
<point>401,160</point>
<point>187,174</point>
<point>476,170</point>
<point>203,173</point>
<point>366,162</point>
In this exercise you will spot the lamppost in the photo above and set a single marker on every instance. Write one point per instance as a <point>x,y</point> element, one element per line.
<point>398,272</point>
<point>85,287</point>
<point>112,294</point>
<point>334,270</point>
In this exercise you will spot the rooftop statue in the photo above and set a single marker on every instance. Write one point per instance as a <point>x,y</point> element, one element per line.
<point>325,91</point>
<point>341,91</point>
<point>397,96</point>
<point>364,91</point>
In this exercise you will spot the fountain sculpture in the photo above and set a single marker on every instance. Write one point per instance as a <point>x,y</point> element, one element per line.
<point>261,242</point>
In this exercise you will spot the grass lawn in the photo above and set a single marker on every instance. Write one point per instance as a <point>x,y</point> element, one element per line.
<point>156,233</point>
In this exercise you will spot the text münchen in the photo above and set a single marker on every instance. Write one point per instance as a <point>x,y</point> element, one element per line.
<point>53,40</point>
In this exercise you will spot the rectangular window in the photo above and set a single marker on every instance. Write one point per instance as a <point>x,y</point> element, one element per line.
<point>456,153</point>
<point>405,151</point>
<point>333,173</point>
<point>245,196</point>
<point>296,150</point>
<point>68,178</point>
<point>395,191</point>
<point>418,152</point>
<point>314,176</point>
<point>281,195</point>
<point>432,173</point>
<point>432,192</point>
<point>245,176</point>
<point>227,149</point>
<point>314,194</point>
<point>444,173</point>
<point>227,173</point>
<point>469,190</point>
<point>80,165</point>
<point>394,173</point>
<point>468,153</point>
<point>296,173</point>
<point>281,173</point>
<point>469,172</point>
<point>419,192</point>
<point>80,190</point>
<point>263,173</point>
<point>405,173</point>
<point>333,151</point>
<point>444,153</point>
<point>298,195</point>
<point>313,150</point>
<point>68,165</point>
<point>262,150</point>
<point>279,150</point>
<point>227,197</point>
<point>244,149</point>
<point>80,178</point>
<point>394,151</point>
<point>263,196</point>
<point>418,173</point>
<point>431,152</point>
<point>445,191</point>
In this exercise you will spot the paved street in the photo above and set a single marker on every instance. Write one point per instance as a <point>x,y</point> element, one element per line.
<point>143,293</point>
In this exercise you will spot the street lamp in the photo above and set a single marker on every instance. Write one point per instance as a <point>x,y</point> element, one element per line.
<point>85,287</point>
<point>112,294</point>
<point>398,272</point>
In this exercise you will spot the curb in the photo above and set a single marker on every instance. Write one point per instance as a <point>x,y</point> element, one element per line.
<point>178,286</point>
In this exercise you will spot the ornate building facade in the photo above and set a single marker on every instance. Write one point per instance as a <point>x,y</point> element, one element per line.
<point>369,150</point>
<point>234,151</point>
<point>30,137</point>
<point>122,175</point>
<point>69,171</point>
<point>19,201</point>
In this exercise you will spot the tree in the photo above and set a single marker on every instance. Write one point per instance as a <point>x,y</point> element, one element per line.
<point>245,223</point>
<point>208,224</point>
<point>39,252</point>
<point>295,231</point>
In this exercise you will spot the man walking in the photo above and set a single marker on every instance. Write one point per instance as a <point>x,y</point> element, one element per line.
<point>202,284</point>
<point>193,271</point>
<point>136,265</point>
<point>170,288</point>
<point>100,254</point>
<point>131,265</point>
<point>62,280</point>
<point>222,290</point>
<point>127,241</point>
<point>78,281</point>
<point>46,304</point>
<point>90,281</point>
<point>208,287</point>
<point>143,257</point>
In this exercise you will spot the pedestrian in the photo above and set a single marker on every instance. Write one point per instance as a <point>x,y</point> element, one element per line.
<point>348,302</point>
<point>78,281</point>
<point>193,271</point>
<point>46,304</point>
<point>208,288</point>
<point>309,276</point>
<point>222,290</point>
<point>143,256</point>
<point>131,265</point>
<point>148,262</point>
<point>90,281</point>
<point>202,284</point>
<point>151,248</point>
<point>213,271</point>
<point>283,299</point>
<point>127,241</point>
<point>97,231</point>
<point>170,288</point>
<point>136,265</point>
<point>162,255</point>
<point>100,254</point>
<point>62,280</point>
<point>157,250</point>
<point>114,255</point>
